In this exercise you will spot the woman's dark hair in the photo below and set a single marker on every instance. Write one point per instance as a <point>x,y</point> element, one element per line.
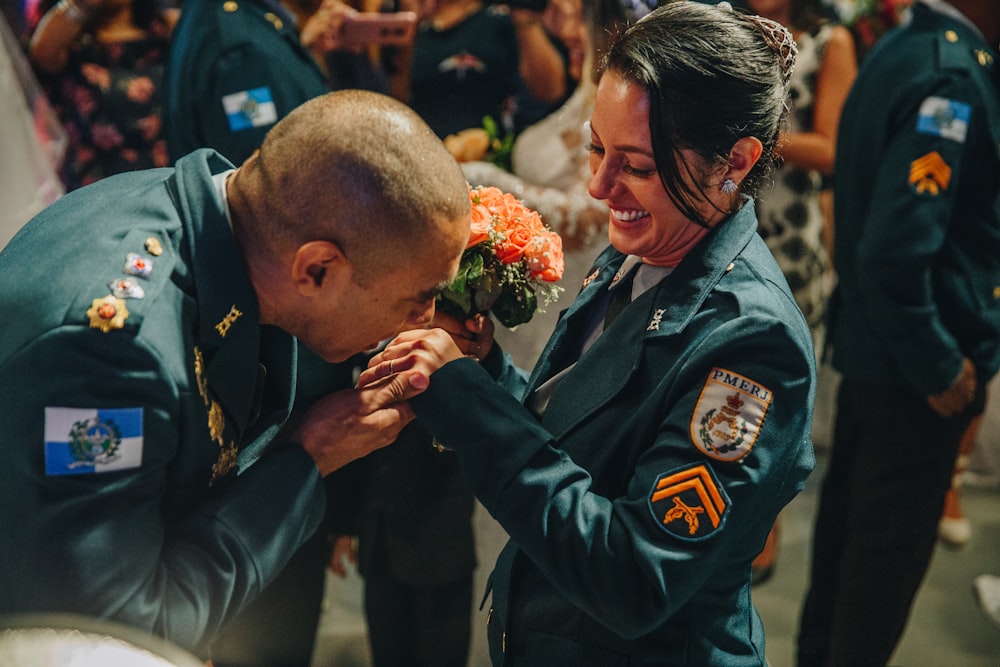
<point>809,15</point>
<point>713,76</point>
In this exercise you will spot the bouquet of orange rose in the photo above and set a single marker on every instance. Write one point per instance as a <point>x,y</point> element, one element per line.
<point>511,260</point>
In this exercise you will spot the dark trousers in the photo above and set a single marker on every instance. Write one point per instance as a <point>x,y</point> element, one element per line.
<point>876,527</point>
<point>278,629</point>
<point>416,625</point>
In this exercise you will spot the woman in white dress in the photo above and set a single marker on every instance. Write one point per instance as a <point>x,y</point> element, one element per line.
<point>28,180</point>
<point>550,168</point>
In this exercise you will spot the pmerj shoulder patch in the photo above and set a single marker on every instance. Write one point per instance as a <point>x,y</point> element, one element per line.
<point>689,503</point>
<point>945,118</point>
<point>81,441</point>
<point>728,415</point>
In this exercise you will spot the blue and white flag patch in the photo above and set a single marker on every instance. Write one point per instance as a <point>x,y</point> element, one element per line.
<point>941,117</point>
<point>81,441</point>
<point>250,108</point>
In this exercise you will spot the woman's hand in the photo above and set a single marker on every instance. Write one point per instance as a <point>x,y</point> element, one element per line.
<point>418,352</point>
<point>474,337</point>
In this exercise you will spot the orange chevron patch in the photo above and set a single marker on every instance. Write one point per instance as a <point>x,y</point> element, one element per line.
<point>689,503</point>
<point>930,174</point>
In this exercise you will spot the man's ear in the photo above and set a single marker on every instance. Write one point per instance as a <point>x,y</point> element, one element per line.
<point>317,264</point>
<point>742,158</point>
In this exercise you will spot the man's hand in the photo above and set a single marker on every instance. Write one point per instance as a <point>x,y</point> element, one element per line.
<point>345,550</point>
<point>959,395</point>
<point>350,424</point>
<point>323,31</point>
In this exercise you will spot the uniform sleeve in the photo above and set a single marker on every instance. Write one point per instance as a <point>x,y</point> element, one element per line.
<point>687,516</point>
<point>140,541</point>
<point>248,91</point>
<point>907,226</point>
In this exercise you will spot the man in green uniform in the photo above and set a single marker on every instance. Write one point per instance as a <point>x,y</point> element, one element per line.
<point>235,68</point>
<point>916,318</point>
<point>147,360</point>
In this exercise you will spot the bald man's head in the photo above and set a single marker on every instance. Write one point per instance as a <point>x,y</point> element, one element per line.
<point>359,169</point>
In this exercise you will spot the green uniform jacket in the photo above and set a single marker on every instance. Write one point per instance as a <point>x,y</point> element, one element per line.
<point>117,495</point>
<point>234,69</point>
<point>637,504</point>
<point>918,211</point>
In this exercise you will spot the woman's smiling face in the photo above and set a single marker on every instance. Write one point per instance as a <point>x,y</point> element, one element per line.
<point>644,221</point>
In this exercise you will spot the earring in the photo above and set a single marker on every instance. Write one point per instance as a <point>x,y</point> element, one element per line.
<point>729,186</point>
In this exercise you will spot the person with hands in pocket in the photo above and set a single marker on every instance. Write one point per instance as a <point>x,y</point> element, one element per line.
<point>915,325</point>
<point>668,418</point>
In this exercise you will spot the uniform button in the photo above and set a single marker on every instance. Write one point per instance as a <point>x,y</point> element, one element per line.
<point>503,642</point>
<point>951,36</point>
<point>153,246</point>
<point>229,6</point>
<point>275,21</point>
<point>996,292</point>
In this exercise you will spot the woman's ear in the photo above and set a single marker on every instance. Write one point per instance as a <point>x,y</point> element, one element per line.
<point>742,158</point>
<point>316,264</point>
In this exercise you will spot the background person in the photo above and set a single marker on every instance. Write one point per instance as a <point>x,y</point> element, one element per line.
<point>790,213</point>
<point>236,68</point>
<point>468,59</point>
<point>101,63</point>
<point>404,516</point>
<point>915,325</point>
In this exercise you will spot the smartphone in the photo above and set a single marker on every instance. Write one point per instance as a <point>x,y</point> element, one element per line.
<point>385,29</point>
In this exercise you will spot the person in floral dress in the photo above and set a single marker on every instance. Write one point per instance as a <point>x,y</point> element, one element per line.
<point>101,63</point>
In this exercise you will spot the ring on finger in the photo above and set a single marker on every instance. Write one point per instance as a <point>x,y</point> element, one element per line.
<point>390,367</point>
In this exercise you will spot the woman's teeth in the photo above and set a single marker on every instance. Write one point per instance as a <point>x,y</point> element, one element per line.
<point>629,216</point>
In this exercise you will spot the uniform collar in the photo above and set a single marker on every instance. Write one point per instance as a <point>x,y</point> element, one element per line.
<point>229,332</point>
<point>678,298</point>
<point>668,306</point>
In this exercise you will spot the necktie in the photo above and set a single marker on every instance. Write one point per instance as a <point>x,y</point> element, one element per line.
<point>621,296</point>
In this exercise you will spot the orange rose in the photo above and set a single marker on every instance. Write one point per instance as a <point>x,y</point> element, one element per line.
<point>545,257</point>
<point>487,195</point>
<point>515,237</point>
<point>468,145</point>
<point>482,221</point>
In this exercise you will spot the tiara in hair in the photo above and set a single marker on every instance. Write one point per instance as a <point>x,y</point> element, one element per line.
<point>779,40</point>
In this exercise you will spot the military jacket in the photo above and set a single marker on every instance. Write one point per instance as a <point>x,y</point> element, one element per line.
<point>637,503</point>
<point>918,209</point>
<point>234,69</point>
<point>136,376</point>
